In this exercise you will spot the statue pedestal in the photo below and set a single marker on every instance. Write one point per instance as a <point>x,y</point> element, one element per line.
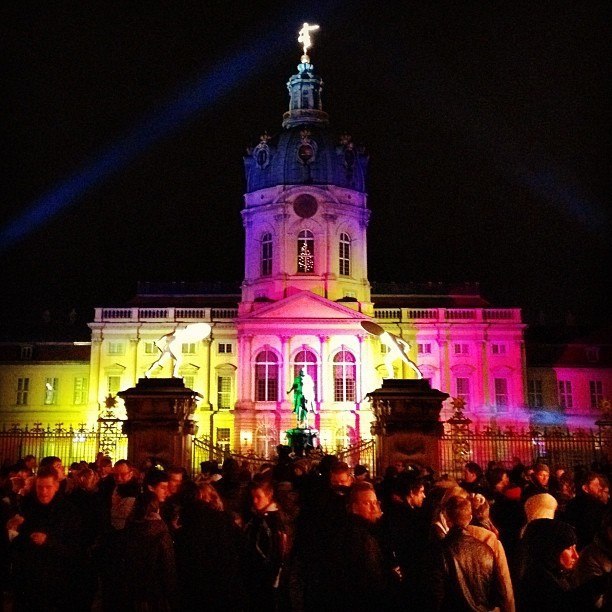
<point>302,440</point>
<point>407,425</point>
<point>159,422</point>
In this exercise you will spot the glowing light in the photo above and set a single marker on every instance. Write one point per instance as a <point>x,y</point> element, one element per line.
<point>305,259</point>
<point>546,184</point>
<point>170,345</point>
<point>304,38</point>
<point>236,71</point>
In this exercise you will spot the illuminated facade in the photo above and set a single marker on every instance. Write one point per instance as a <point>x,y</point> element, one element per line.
<point>304,296</point>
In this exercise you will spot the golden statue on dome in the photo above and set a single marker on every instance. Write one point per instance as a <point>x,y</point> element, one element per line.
<point>304,38</point>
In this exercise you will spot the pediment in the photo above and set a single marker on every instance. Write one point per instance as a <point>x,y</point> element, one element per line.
<point>302,306</point>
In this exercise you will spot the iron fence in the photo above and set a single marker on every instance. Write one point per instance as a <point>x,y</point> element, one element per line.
<point>555,446</point>
<point>70,444</point>
<point>362,453</point>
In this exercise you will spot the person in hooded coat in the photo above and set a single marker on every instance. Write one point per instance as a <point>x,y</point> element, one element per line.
<point>547,582</point>
<point>595,561</point>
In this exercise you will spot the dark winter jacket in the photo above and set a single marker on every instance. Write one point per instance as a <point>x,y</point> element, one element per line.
<point>149,565</point>
<point>463,575</point>
<point>210,560</point>
<point>51,571</point>
<point>586,514</point>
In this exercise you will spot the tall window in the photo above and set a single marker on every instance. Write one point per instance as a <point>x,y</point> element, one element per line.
<point>463,390</point>
<point>223,438</point>
<point>501,394</point>
<point>225,348</point>
<point>224,391</point>
<point>345,255</point>
<point>535,397</point>
<point>305,252</point>
<point>23,389</point>
<point>114,384</point>
<point>596,392</point>
<point>188,348</point>
<point>26,352</point>
<point>266,377</point>
<point>79,395</point>
<point>51,391</point>
<point>498,349</point>
<point>306,360</point>
<point>266,254</point>
<point>565,394</point>
<point>345,436</point>
<point>266,439</point>
<point>424,348</point>
<point>344,376</point>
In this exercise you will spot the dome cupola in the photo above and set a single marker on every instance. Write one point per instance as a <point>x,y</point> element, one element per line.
<point>307,151</point>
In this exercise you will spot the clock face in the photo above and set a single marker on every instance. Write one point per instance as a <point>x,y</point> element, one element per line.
<point>305,206</point>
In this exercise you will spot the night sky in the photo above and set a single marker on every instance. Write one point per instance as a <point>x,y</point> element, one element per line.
<point>486,125</point>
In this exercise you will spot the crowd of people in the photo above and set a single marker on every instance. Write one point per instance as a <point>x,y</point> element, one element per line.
<point>303,534</point>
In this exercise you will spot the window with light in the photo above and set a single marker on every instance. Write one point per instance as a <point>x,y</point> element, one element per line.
<point>501,394</point>
<point>307,361</point>
<point>345,255</point>
<point>345,370</point>
<point>305,252</point>
<point>266,254</point>
<point>266,377</point>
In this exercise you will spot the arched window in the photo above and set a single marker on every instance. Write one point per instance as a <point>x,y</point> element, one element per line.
<point>345,436</point>
<point>344,376</point>
<point>266,377</point>
<point>266,254</point>
<point>307,361</point>
<point>344,255</point>
<point>305,252</point>
<point>266,440</point>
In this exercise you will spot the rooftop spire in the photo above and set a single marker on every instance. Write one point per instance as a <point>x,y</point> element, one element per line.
<point>305,106</point>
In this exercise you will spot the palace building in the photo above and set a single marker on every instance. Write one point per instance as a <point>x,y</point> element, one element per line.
<point>301,305</point>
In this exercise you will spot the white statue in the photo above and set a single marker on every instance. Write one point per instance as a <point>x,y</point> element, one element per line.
<point>397,348</point>
<point>304,38</point>
<point>308,391</point>
<point>170,345</point>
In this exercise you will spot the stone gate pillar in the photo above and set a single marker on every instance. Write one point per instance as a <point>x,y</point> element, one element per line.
<point>407,425</point>
<point>159,422</point>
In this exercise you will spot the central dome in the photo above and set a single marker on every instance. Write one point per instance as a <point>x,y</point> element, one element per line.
<point>306,152</point>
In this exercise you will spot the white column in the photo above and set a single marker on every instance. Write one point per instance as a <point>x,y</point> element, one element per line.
<point>323,373</point>
<point>134,342</point>
<point>95,395</point>
<point>285,377</point>
<point>359,373</point>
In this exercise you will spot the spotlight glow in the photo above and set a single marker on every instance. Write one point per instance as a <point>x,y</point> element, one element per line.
<point>244,66</point>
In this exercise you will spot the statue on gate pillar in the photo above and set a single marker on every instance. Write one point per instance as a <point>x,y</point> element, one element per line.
<point>397,348</point>
<point>170,345</point>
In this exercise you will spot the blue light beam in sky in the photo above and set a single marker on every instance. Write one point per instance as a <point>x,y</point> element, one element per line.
<point>238,69</point>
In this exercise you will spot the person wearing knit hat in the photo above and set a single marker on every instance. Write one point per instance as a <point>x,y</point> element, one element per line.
<point>545,584</point>
<point>541,505</point>
<point>538,507</point>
